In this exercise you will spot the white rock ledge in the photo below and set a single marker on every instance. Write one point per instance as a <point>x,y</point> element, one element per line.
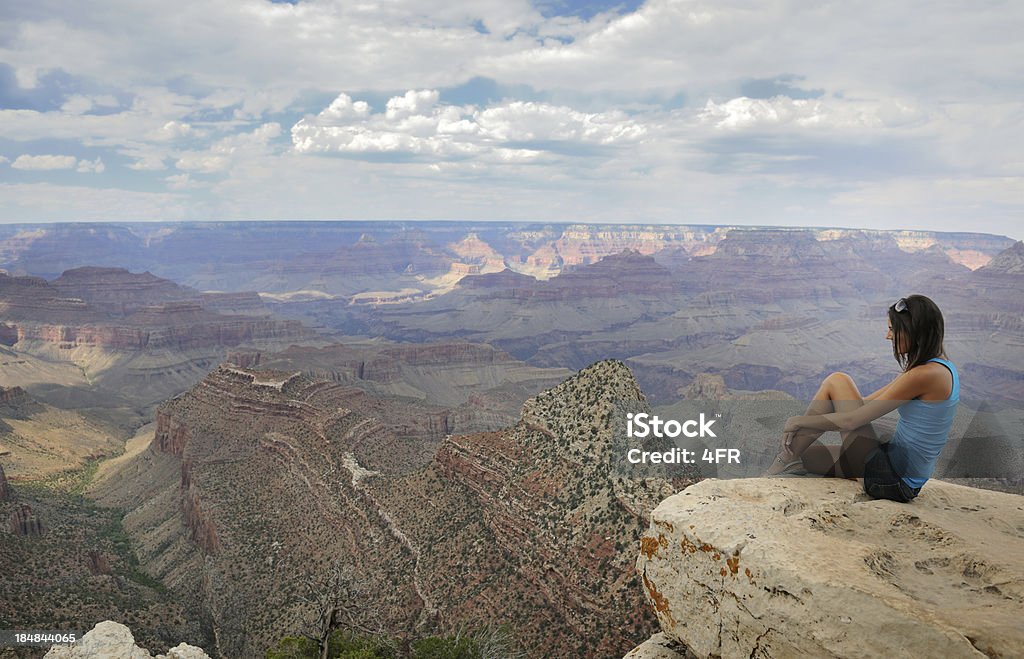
<point>110,640</point>
<point>786,567</point>
<point>659,646</point>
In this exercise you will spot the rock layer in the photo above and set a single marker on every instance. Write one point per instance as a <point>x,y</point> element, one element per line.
<point>814,567</point>
<point>129,313</point>
<point>118,291</point>
<point>275,475</point>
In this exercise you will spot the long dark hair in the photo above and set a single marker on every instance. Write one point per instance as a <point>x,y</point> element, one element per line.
<point>919,328</point>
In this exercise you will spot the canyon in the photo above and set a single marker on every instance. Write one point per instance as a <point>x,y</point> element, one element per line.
<point>113,344</point>
<point>201,421</point>
<point>256,480</point>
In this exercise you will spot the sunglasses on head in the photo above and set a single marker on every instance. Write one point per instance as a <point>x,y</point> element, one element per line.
<point>901,305</point>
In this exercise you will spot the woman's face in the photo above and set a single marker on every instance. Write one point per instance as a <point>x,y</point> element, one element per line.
<point>902,347</point>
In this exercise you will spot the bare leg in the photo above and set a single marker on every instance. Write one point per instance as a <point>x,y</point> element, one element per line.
<point>837,393</point>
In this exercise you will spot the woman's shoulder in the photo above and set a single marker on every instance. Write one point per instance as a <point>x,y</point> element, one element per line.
<point>935,377</point>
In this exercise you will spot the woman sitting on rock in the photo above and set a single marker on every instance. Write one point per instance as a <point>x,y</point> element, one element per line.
<point>926,394</point>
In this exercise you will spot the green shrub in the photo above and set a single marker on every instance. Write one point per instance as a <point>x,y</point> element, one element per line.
<point>294,647</point>
<point>449,647</point>
<point>485,643</point>
<point>345,645</point>
<point>357,654</point>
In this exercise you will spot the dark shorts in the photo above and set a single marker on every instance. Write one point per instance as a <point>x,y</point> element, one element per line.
<point>881,481</point>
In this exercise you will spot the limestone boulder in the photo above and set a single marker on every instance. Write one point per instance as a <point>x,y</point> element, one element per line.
<point>814,567</point>
<point>111,640</point>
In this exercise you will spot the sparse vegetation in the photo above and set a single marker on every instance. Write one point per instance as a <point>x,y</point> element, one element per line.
<point>488,642</point>
<point>82,569</point>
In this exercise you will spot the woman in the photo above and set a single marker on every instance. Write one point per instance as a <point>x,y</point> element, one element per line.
<point>926,394</point>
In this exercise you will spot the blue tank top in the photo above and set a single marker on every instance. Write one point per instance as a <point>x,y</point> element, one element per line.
<point>921,433</point>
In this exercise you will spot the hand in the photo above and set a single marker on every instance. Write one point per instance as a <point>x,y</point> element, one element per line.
<point>789,432</point>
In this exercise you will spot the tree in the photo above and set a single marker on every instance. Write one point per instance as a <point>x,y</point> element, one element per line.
<point>337,598</point>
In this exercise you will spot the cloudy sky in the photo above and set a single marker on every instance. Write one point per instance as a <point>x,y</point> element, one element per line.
<point>862,114</point>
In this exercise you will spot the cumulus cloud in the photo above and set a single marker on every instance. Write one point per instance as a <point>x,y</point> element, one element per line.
<point>709,47</point>
<point>116,129</point>
<point>148,163</point>
<point>80,103</point>
<point>50,162</point>
<point>181,182</point>
<point>342,108</point>
<point>77,105</point>
<point>412,103</point>
<point>416,123</point>
<point>730,109</point>
<point>173,130</point>
<point>44,162</point>
<point>206,163</point>
<point>781,111</point>
<point>91,166</point>
<point>224,152</point>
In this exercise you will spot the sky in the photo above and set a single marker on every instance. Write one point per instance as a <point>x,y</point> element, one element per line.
<point>770,112</point>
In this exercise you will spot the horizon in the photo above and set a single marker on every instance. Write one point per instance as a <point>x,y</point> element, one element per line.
<point>537,223</point>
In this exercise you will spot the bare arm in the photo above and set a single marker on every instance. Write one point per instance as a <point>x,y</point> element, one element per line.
<point>907,386</point>
<point>878,392</point>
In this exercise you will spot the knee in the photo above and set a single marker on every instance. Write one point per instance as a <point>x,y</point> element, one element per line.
<point>840,378</point>
<point>841,387</point>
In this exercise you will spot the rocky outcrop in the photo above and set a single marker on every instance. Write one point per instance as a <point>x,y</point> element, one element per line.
<point>1008,262</point>
<point>815,567</point>
<point>35,300</point>
<point>118,291</point>
<point>274,475</point>
<point>660,646</point>
<point>768,266</point>
<point>972,250</point>
<point>172,435</point>
<point>581,243</point>
<point>533,494</point>
<point>5,488</point>
<point>262,472</point>
<point>479,387</point>
<point>128,312</point>
<point>626,273</point>
<point>177,327</point>
<point>23,521</point>
<point>13,399</point>
<point>114,640</point>
<point>476,251</point>
<point>202,529</point>
<point>1001,279</point>
<point>408,254</point>
<point>505,279</point>
<point>98,562</point>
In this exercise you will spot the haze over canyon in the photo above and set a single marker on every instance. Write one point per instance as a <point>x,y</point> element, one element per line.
<point>198,421</point>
